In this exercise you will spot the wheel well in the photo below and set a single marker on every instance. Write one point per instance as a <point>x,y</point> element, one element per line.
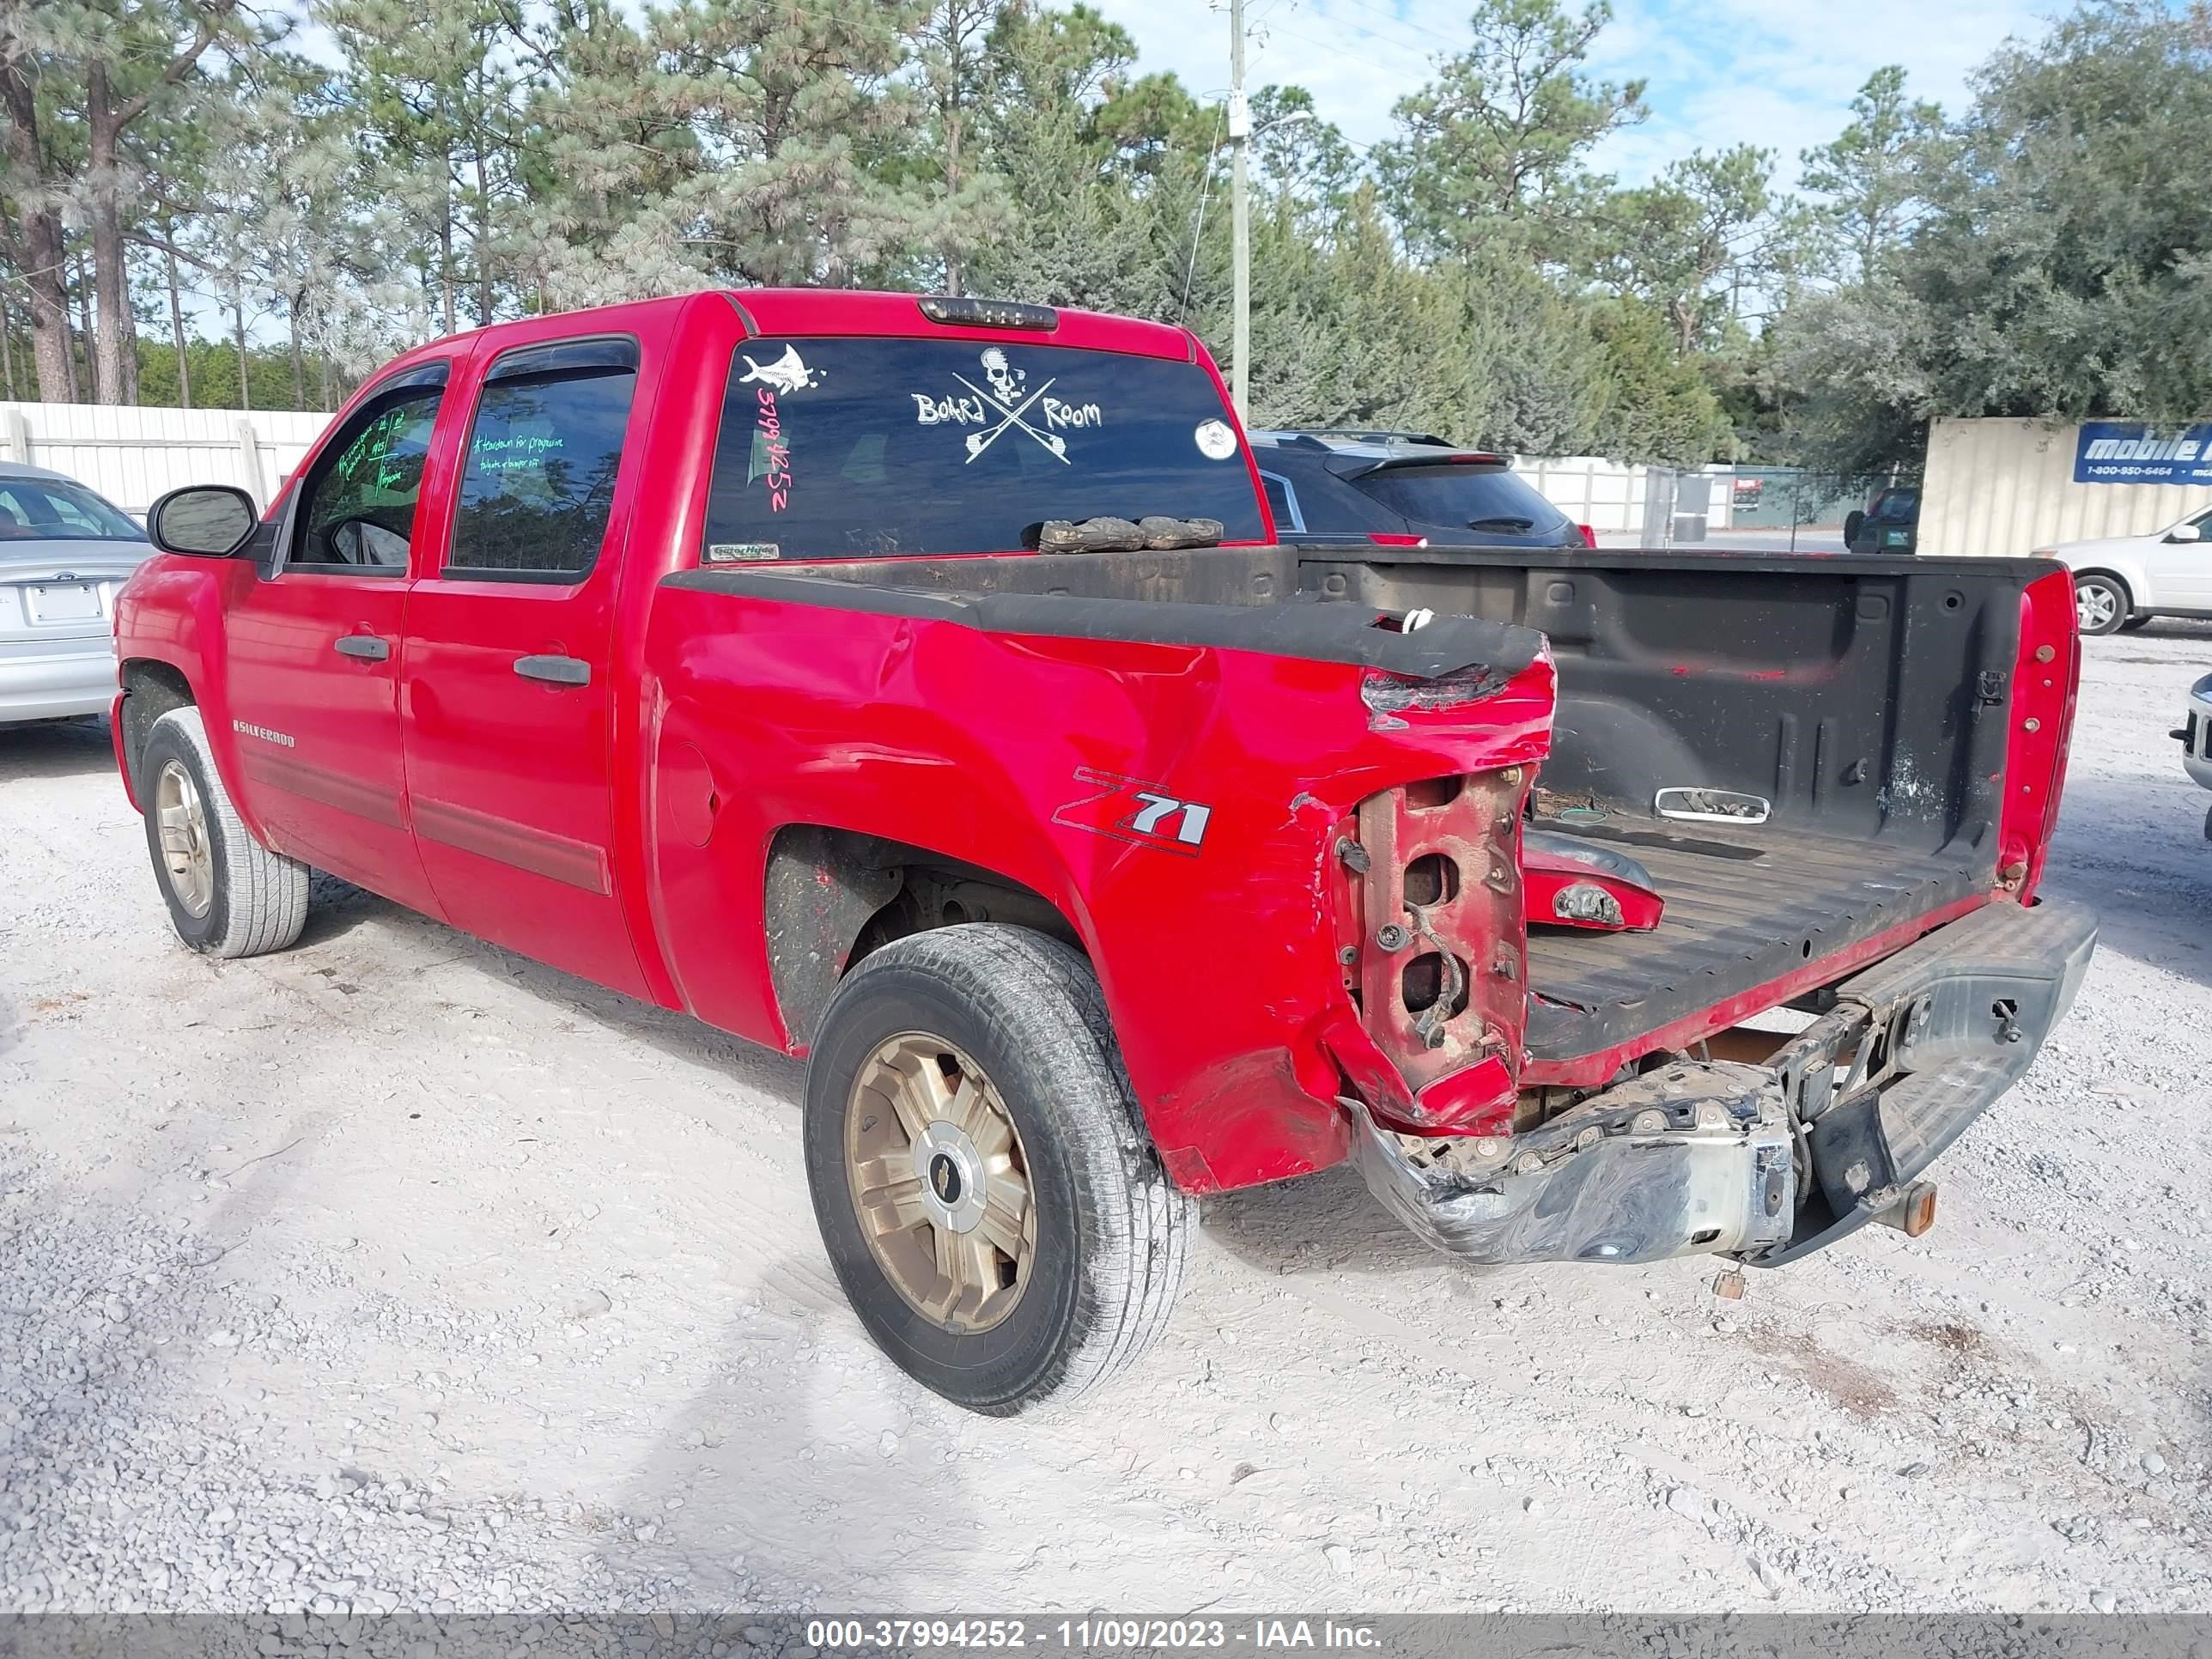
<point>834,896</point>
<point>2127,589</point>
<point>150,689</point>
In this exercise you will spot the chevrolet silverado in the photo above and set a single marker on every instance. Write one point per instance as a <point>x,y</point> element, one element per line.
<point>714,649</point>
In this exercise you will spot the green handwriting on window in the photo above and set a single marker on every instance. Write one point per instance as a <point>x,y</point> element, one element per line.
<point>368,461</point>
<point>515,449</point>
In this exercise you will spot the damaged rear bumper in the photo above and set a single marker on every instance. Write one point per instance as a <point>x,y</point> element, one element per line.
<point>1770,1162</point>
<point>1694,1157</point>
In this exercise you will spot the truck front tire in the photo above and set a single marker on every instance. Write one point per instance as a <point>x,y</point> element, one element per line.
<point>229,895</point>
<point>985,1187</point>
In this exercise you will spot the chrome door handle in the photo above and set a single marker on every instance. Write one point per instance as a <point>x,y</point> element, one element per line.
<point>555,671</point>
<point>365,647</point>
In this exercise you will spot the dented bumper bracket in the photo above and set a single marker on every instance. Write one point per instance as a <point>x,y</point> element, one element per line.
<point>1691,1157</point>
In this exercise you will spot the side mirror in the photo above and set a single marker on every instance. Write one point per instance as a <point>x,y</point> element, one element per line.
<point>209,521</point>
<point>1854,521</point>
<point>2185,532</point>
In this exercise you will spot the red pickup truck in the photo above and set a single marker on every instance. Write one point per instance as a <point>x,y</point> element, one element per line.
<point>704,648</point>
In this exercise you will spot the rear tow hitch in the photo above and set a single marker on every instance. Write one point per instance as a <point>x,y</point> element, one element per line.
<point>1914,1212</point>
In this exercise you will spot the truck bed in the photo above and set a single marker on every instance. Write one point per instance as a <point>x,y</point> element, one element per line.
<point>1744,908</point>
<point>1861,698</point>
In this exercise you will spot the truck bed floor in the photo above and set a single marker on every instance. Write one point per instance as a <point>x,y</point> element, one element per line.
<point>1744,907</point>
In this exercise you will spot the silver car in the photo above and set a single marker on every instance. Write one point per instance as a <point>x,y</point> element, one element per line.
<point>64,553</point>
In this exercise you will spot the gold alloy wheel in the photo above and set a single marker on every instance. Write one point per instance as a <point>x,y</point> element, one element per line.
<point>939,1182</point>
<point>189,860</point>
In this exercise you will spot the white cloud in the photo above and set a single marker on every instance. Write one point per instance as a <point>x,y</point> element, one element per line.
<point>1779,73</point>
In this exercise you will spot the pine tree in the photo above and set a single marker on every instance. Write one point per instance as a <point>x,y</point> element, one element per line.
<point>794,106</point>
<point>77,77</point>
<point>1104,172</point>
<point>1494,153</point>
<point>1874,175</point>
<point>966,202</point>
<point>430,88</point>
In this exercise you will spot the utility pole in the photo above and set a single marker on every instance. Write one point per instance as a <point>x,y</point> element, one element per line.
<point>1240,214</point>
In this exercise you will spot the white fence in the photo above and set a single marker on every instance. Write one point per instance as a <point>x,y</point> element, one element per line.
<point>132,456</point>
<point>2006,487</point>
<point>1606,495</point>
<point>1613,498</point>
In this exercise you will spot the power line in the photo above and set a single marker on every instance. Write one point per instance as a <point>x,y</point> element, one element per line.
<point>1390,35</point>
<point>1336,47</point>
<point>1205,184</point>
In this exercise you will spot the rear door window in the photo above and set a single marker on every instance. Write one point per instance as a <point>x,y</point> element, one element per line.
<point>52,511</point>
<point>845,448</point>
<point>544,454</point>
<point>1462,497</point>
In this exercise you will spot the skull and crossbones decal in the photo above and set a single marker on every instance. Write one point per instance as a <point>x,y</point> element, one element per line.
<point>1002,404</point>
<point>1005,380</point>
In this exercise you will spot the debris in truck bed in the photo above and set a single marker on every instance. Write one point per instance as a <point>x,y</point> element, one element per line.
<point>1156,533</point>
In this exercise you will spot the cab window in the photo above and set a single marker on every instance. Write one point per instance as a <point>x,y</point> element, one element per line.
<point>544,452</point>
<point>356,511</point>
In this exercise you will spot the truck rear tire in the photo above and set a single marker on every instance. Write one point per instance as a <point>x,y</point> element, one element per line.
<point>986,1188</point>
<point>229,895</point>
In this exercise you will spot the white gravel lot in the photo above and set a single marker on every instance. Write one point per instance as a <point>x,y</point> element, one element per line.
<point>398,1272</point>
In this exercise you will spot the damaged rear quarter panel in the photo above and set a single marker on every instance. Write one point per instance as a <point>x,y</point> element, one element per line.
<point>1218,963</point>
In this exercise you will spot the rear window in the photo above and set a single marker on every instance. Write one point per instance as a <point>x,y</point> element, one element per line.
<point>51,510</point>
<point>840,448</point>
<point>1464,497</point>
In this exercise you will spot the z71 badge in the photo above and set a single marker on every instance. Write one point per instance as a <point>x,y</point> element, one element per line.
<point>1141,813</point>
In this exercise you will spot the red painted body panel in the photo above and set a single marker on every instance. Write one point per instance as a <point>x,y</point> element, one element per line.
<point>2046,679</point>
<point>1219,968</point>
<point>330,793</point>
<point>624,833</point>
<point>122,760</point>
<point>510,781</point>
<point>173,612</point>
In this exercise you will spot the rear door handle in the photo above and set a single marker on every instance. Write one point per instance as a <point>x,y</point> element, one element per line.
<point>555,671</point>
<point>367,646</point>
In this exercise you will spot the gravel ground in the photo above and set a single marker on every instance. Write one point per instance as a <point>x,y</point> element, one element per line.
<point>398,1272</point>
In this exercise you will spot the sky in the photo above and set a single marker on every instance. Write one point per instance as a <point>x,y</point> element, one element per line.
<point>1777,73</point>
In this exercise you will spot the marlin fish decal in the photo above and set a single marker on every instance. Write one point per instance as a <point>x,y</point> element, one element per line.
<point>787,373</point>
